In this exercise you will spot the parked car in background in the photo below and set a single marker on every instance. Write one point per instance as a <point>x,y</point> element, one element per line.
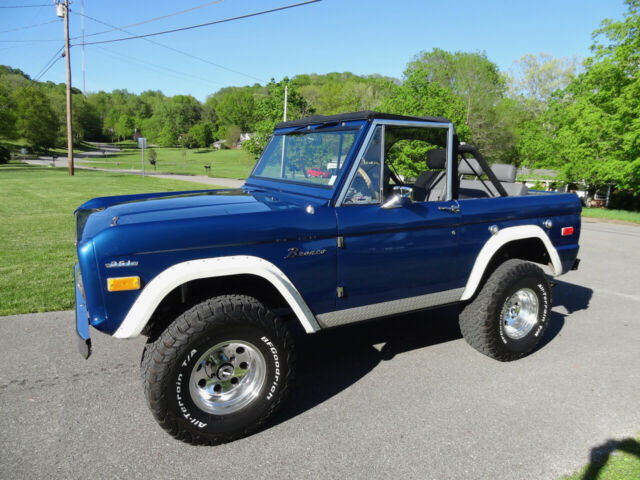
<point>318,172</point>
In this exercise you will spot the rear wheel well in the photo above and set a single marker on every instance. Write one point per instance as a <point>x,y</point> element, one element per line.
<point>528,249</point>
<point>191,293</point>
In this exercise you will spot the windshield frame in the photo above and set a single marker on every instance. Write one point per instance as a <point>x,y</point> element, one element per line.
<point>358,127</point>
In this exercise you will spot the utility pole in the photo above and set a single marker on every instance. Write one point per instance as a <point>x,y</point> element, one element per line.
<point>84,83</point>
<point>65,14</point>
<point>286,94</point>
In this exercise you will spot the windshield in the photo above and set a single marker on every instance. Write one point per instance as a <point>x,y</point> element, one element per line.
<point>314,158</point>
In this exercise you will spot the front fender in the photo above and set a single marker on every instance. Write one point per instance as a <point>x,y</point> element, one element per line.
<point>180,273</point>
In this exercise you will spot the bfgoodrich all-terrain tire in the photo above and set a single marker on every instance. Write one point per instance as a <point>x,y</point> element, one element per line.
<point>509,315</point>
<point>219,371</point>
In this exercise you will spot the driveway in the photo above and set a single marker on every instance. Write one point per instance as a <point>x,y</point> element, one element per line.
<point>216,181</point>
<point>400,398</point>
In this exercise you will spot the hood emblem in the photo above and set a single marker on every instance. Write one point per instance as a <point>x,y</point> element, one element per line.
<point>114,221</point>
<point>121,263</point>
<point>296,252</point>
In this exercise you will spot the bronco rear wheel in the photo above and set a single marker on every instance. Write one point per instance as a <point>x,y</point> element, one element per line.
<point>510,314</point>
<point>219,371</point>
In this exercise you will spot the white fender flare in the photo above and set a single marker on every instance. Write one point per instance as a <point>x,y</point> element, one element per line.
<point>500,239</point>
<point>180,273</point>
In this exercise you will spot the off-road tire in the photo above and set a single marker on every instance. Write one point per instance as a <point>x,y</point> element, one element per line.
<point>481,320</point>
<point>169,360</point>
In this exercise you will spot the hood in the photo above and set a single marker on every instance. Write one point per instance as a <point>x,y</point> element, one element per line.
<point>103,213</point>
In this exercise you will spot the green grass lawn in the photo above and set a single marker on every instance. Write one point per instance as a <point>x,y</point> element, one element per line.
<point>38,229</point>
<point>621,462</point>
<point>224,163</point>
<point>623,215</point>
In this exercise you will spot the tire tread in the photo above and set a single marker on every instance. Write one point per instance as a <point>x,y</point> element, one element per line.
<point>164,350</point>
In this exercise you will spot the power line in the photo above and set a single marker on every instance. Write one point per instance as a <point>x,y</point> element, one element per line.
<point>29,26</point>
<point>56,56</point>
<point>152,19</point>
<point>30,40</point>
<point>191,27</point>
<point>48,68</point>
<point>137,61</point>
<point>113,29</point>
<point>182,52</point>
<point>25,6</point>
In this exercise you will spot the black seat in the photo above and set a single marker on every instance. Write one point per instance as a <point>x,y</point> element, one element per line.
<point>428,182</point>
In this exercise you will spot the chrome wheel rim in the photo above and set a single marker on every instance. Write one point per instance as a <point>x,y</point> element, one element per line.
<point>227,377</point>
<point>520,313</point>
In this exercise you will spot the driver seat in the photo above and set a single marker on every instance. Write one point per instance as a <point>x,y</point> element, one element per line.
<point>431,185</point>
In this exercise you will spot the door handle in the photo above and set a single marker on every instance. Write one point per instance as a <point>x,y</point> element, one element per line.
<point>452,209</point>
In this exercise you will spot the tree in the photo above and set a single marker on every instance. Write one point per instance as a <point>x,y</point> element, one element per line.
<point>477,81</point>
<point>202,133</point>
<point>419,96</point>
<point>233,135</point>
<point>535,77</point>
<point>187,140</point>
<point>36,121</point>
<point>175,117</point>
<point>7,114</point>
<point>235,106</point>
<point>591,130</point>
<point>124,127</point>
<point>270,111</point>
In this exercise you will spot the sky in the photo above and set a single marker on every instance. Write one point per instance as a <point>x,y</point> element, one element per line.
<point>359,36</point>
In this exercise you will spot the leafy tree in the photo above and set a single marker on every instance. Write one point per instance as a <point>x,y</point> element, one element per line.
<point>167,137</point>
<point>233,135</point>
<point>176,116</point>
<point>7,114</point>
<point>124,127</point>
<point>187,140</point>
<point>202,134</point>
<point>5,155</point>
<point>235,106</point>
<point>270,111</point>
<point>476,80</point>
<point>535,77</point>
<point>591,130</point>
<point>36,121</point>
<point>418,96</point>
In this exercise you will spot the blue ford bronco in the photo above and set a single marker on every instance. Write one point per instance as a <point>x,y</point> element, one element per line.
<point>344,218</point>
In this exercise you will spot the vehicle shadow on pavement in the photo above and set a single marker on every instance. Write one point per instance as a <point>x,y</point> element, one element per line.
<point>570,296</point>
<point>601,454</point>
<point>332,360</point>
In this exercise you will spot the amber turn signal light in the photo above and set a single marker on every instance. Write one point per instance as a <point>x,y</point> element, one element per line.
<point>120,284</point>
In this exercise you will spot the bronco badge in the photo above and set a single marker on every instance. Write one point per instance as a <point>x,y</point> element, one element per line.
<point>296,252</point>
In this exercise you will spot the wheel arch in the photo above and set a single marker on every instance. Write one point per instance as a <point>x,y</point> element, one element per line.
<point>525,242</point>
<point>257,276</point>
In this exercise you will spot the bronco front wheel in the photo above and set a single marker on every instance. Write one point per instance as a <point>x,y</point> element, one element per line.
<point>219,371</point>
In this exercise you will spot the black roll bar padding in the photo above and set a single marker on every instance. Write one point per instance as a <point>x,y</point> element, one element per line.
<point>478,175</point>
<point>465,148</point>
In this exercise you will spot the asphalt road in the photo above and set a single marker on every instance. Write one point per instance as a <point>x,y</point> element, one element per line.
<point>401,398</point>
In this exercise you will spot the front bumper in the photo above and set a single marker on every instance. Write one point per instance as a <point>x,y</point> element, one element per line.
<point>82,320</point>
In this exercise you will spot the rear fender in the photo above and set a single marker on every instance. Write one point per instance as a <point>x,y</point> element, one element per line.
<point>500,239</point>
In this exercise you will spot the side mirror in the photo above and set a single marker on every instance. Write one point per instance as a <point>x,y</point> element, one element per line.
<point>402,197</point>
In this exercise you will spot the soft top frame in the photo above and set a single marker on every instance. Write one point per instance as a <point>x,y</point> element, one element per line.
<point>351,116</point>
